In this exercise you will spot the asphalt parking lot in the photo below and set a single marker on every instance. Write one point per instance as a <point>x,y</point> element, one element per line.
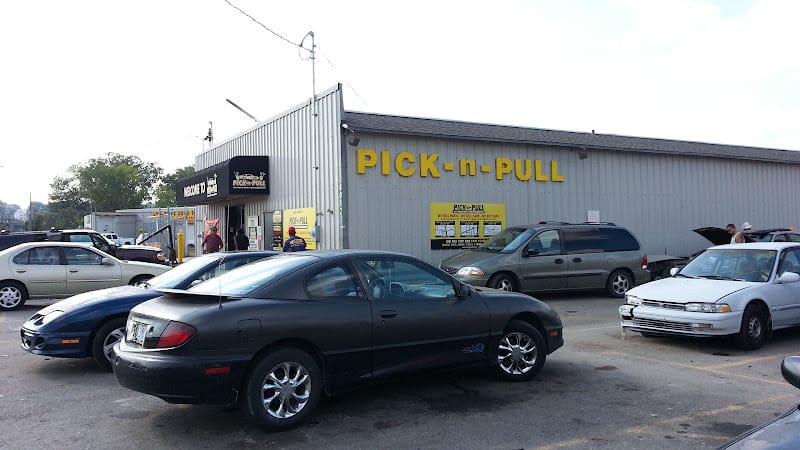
<point>599,391</point>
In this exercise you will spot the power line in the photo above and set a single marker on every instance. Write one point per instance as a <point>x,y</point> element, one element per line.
<point>262,25</point>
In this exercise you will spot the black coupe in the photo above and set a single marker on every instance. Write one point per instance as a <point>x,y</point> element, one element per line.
<point>276,335</point>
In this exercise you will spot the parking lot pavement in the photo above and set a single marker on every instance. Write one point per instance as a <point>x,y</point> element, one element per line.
<point>598,391</point>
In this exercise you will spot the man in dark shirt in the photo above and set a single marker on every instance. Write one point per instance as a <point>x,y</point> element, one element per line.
<point>294,243</point>
<point>212,243</point>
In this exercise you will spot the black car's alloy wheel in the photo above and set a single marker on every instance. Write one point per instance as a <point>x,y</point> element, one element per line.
<point>106,336</point>
<point>521,352</point>
<point>282,389</point>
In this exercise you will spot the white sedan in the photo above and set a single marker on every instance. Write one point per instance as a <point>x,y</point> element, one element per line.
<point>740,290</point>
<point>61,269</point>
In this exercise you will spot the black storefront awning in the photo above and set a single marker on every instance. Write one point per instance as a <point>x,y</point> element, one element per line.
<point>237,177</point>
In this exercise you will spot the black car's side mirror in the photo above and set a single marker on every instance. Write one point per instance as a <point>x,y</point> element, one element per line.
<point>463,290</point>
<point>530,252</point>
<point>790,368</point>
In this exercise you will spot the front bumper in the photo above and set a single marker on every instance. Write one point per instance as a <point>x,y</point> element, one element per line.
<point>682,323</point>
<point>62,345</point>
<point>180,379</point>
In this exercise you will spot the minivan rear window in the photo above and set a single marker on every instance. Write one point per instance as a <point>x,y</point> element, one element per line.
<point>598,240</point>
<point>619,240</point>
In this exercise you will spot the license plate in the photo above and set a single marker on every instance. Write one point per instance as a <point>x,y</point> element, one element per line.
<point>138,332</point>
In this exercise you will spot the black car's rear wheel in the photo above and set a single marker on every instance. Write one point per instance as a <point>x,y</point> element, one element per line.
<point>521,352</point>
<point>106,336</point>
<point>12,295</point>
<point>283,389</point>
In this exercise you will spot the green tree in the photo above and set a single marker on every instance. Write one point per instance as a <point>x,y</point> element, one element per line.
<point>165,192</point>
<point>66,207</point>
<point>116,181</point>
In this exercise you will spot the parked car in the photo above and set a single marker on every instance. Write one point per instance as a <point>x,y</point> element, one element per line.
<point>61,269</point>
<point>555,256</point>
<point>277,334</point>
<point>741,290</point>
<point>720,236</point>
<point>89,237</point>
<point>89,324</point>
<point>781,432</point>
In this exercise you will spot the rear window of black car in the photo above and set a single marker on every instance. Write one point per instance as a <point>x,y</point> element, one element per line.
<point>248,278</point>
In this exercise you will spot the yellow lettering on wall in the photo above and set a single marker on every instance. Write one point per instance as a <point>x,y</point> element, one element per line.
<point>554,171</point>
<point>401,168</point>
<point>466,167</point>
<point>502,166</point>
<point>523,173</point>
<point>365,158</point>
<point>386,162</point>
<point>540,176</point>
<point>427,165</point>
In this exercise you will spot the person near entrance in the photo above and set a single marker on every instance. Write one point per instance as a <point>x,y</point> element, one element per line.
<point>241,240</point>
<point>212,243</point>
<point>294,243</point>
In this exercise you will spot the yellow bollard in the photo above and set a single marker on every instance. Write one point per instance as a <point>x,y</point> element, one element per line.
<point>181,246</point>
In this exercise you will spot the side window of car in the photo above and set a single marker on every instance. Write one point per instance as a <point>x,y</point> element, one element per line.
<point>583,240</point>
<point>334,281</point>
<point>619,240</point>
<point>81,256</point>
<point>790,262</point>
<point>792,237</point>
<point>397,279</point>
<point>80,238</point>
<point>545,243</point>
<point>101,243</point>
<point>42,256</point>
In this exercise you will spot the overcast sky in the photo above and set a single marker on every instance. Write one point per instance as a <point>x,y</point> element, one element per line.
<point>83,78</point>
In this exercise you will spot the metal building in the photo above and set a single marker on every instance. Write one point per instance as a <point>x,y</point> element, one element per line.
<point>429,187</point>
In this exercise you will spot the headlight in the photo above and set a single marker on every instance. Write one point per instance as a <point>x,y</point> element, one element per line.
<point>708,307</point>
<point>633,300</point>
<point>470,272</point>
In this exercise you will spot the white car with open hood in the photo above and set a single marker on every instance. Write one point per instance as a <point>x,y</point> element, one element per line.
<point>741,290</point>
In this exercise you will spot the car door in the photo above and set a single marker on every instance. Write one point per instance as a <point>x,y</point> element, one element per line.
<point>41,271</point>
<point>86,271</point>
<point>587,265</point>
<point>417,320</point>
<point>542,266</point>
<point>784,298</point>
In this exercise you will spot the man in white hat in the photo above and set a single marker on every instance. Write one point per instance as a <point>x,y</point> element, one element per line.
<point>746,226</point>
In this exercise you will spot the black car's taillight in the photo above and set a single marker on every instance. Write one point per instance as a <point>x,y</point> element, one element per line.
<point>175,334</point>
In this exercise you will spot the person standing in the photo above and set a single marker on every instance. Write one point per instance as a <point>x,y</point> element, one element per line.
<point>241,240</point>
<point>212,243</point>
<point>736,236</point>
<point>294,243</point>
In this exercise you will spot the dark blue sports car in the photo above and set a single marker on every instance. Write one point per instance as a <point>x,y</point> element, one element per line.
<point>89,324</point>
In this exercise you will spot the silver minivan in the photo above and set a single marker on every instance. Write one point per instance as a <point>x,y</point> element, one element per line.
<point>556,256</point>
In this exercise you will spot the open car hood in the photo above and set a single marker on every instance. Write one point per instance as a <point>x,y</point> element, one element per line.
<point>717,236</point>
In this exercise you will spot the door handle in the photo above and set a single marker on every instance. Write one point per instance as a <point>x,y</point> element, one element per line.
<point>388,313</point>
<point>559,261</point>
<point>74,270</point>
<point>576,260</point>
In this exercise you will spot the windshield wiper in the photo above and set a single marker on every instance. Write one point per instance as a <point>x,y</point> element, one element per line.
<point>718,277</point>
<point>683,275</point>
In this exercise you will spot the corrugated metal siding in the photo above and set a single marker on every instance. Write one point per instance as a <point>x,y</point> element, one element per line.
<point>304,152</point>
<point>661,198</point>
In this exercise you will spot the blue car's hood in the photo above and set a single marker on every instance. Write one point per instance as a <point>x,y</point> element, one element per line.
<point>100,296</point>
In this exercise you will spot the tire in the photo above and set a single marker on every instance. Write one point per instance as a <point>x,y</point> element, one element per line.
<point>754,329</point>
<point>502,281</point>
<point>104,339</point>
<point>139,279</point>
<point>618,283</point>
<point>12,295</point>
<point>291,379</point>
<point>521,352</point>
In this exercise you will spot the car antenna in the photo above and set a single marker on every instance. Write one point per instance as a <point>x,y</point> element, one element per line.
<point>219,285</point>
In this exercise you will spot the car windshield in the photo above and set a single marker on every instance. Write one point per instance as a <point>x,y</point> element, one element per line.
<point>738,264</point>
<point>242,281</point>
<point>506,241</point>
<point>177,275</point>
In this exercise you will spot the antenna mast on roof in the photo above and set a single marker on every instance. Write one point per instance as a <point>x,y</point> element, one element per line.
<point>311,51</point>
